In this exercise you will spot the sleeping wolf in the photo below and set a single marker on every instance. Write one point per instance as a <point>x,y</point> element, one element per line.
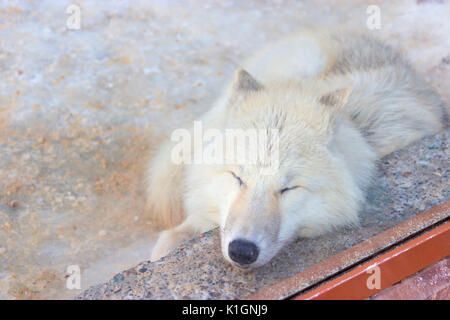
<point>331,104</point>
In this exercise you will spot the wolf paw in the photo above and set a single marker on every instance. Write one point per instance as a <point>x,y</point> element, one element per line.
<point>167,241</point>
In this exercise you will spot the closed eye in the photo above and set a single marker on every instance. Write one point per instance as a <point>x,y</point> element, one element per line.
<point>287,189</point>
<point>237,178</point>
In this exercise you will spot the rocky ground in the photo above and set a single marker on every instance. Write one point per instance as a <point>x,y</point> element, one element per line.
<point>81,108</point>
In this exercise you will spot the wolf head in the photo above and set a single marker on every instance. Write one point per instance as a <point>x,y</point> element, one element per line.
<point>307,192</point>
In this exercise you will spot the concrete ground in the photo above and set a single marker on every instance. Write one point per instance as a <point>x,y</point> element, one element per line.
<point>80,109</point>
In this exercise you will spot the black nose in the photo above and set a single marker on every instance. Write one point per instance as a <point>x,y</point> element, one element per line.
<point>243,251</point>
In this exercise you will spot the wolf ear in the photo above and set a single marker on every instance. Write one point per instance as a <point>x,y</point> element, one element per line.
<point>335,101</point>
<point>244,83</point>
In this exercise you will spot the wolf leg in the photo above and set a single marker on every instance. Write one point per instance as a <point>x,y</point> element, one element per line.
<point>170,239</point>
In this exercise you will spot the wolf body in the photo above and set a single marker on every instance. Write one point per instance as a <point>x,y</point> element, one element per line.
<point>339,101</point>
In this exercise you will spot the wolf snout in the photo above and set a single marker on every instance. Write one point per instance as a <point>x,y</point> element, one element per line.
<point>243,252</point>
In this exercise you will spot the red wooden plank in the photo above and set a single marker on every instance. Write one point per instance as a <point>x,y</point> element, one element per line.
<point>383,271</point>
<point>432,283</point>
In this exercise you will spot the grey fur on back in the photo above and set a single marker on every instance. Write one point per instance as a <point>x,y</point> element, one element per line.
<point>390,103</point>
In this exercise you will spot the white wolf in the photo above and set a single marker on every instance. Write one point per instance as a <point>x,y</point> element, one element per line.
<point>339,101</point>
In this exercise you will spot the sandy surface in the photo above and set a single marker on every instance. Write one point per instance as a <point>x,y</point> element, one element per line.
<point>79,110</point>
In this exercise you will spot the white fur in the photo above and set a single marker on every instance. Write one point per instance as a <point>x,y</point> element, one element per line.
<point>330,140</point>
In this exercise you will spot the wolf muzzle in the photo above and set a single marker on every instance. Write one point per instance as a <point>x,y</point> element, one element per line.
<point>243,252</point>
